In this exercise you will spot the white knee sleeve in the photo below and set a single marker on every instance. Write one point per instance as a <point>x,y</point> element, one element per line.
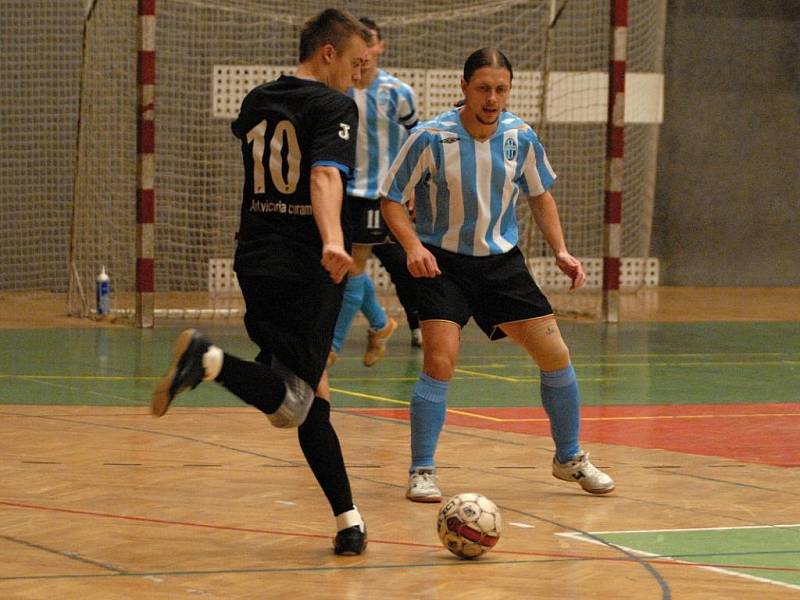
<point>297,401</point>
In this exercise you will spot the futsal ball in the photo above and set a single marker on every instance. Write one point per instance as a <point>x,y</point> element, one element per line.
<point>469,525</point>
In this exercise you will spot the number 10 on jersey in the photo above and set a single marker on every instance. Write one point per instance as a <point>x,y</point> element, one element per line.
<point>284,157</point>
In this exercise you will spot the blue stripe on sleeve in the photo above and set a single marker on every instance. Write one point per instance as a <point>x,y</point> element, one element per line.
<point>541,167</point>
<point>398,183</point>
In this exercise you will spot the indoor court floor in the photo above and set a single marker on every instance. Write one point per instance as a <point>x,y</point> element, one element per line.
<point>698,421</point>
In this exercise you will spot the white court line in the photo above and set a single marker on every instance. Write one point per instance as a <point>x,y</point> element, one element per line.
<point>582,537</point>
<point>573,534</point>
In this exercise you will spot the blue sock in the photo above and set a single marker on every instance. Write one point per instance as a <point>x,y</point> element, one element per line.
<point>351,304</point>
<point>428,408</point>
<point>371,307</point>
<point>562,403</point>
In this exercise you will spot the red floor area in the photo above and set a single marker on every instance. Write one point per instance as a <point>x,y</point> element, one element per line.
<point>760,433</point>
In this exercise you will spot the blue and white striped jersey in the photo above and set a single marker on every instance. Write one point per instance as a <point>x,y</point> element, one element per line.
<point>386,111</point>
<point>466,190</point>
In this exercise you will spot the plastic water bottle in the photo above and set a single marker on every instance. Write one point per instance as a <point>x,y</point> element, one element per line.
<point>103,289</point>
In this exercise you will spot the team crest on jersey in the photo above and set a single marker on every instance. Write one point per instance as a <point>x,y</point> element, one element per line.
<point>510,149</point>
<point>384,97</point>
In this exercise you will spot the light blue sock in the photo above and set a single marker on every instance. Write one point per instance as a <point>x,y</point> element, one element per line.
<point>371,307</point>
<point>351,304</point>
<point>561,401</point>
<point>428,408</point>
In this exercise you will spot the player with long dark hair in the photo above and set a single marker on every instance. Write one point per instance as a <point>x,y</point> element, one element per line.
<point>467,168</point>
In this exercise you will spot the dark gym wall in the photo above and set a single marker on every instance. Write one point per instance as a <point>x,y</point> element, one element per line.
<point>727,207</point>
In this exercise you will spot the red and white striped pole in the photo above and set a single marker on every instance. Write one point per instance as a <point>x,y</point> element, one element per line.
<point>145,165</point>
<point>615,167</point>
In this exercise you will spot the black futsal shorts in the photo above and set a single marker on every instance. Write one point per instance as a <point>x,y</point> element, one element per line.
<point>369,228</point>
<point>293,321</point>
<point>492,289</point>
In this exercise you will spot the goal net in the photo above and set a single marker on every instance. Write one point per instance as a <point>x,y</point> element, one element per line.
<point>210,53</point>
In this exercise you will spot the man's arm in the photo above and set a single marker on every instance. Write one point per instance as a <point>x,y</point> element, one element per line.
<point>326,204</point>
<point>421,263</point>
<point>545,213</point>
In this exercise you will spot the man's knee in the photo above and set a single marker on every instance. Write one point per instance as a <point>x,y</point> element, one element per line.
<point>544,343</point>
<point>318,414</point>
<point>296,402</point>
<point>439,366</point>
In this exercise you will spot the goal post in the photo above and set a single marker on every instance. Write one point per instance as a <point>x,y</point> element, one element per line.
<point>615,172</point>
<point>164,224</point>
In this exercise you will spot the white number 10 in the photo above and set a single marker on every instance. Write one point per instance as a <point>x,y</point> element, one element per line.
<point>284,134</point>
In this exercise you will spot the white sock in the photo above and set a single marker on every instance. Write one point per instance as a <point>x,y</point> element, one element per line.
<point>348,519</point>
<point>212,362</point>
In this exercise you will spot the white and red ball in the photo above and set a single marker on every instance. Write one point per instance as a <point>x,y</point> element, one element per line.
<point>469,525</point>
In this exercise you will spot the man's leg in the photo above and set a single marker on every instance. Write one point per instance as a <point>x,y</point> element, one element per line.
<point>287,399</point>
<point>323,452</point>
<point>542,340</point>
<point>196,359</point>
<point>353,295</point>
<point>429,407</point>
<point>381,326</point>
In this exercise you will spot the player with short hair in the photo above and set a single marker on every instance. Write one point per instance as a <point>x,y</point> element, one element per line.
<point>298,137</point>
<point>468,167</point>
<point>386,112</point>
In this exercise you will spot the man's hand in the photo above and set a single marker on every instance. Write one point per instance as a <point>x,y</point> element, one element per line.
<point>572,268</point>
<point>421,263</point>
<point>336,261</point>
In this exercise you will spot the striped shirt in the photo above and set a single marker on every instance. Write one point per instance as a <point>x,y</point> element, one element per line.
<point>468,190</point>
<point>386,111</point>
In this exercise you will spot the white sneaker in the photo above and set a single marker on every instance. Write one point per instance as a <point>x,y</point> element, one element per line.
<point>422,486</point>
<point>579,470</point>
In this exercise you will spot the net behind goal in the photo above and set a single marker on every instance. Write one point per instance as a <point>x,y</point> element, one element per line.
<point>209,54</point>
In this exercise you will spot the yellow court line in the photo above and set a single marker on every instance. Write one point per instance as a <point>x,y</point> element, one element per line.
<point>639,418</point>
<point>367,379</point>
<point>487,375</point>
<point>81,377</point>
<point>370,396</point>
<point>743,363</point>
<point>406,403</point>
<point>474,416</point>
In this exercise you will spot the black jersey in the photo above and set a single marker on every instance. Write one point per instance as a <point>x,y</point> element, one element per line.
<point>287,126</point>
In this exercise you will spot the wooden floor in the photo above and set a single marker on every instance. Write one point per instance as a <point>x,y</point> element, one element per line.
<point>100,501</point>
<point>109,503</point>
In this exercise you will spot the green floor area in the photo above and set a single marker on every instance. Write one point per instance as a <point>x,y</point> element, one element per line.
<point>625,364</point>
<point>771,553</point>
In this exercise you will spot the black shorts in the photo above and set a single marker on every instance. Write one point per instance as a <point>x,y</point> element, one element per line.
<point>493,290</point>
<point>369,228</point>
<point>293,321</point>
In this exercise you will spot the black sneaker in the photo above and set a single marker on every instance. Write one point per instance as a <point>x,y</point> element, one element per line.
<point>184,373</point>
<point>351,541</point>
